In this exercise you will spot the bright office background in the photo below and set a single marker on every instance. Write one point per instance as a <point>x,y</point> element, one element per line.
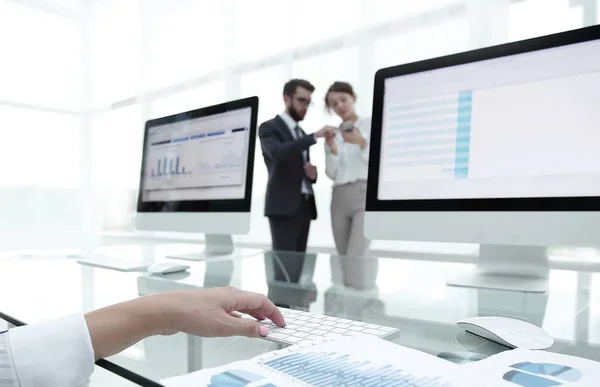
<point>78,78</point>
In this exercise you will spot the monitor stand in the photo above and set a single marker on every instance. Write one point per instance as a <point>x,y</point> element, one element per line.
<point>507,267</point>
<point>217,245</point>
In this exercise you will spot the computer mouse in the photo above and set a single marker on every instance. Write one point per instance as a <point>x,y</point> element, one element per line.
<point>166,268</point>
<point>509,332</point>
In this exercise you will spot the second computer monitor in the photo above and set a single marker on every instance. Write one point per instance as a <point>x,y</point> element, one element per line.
<point>196,173</point>
<point>497,146</point>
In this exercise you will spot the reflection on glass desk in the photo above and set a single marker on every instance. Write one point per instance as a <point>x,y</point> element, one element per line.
<point>407,294</point>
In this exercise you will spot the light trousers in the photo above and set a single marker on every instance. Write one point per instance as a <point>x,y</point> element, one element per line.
<point>348,218</point>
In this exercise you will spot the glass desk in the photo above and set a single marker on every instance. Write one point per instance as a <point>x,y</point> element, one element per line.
<point>409,294</point>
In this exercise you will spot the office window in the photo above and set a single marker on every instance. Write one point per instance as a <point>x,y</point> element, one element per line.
<point>71,4</point>
<point>447,38</point>
<point>117,137</point>
<point>116,51</point>
<point>39,189</point>
<point>531,18</point>
<point>387,10</point>
<point>184,39</point>
<point>192,98</point>
<point>318,20</point>
<point>262,33</point>
<point>39,149</point>
<point>41,57</point>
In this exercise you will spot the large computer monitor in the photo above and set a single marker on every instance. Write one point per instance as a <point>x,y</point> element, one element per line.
<point>196,174</point>
<point>497,146</point>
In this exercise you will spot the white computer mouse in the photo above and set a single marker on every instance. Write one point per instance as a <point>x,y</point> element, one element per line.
<point>509,332</point>
<point>166,268</point>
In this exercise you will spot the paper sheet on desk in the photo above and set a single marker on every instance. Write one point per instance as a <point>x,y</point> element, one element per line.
<point>525,368</point>
<point>359,361</point>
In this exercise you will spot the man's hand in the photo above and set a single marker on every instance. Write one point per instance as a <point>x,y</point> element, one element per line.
<point>310,171</point>
<point>354,137</point>
<point>326,131</point>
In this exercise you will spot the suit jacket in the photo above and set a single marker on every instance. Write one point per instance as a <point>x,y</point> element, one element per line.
<point>283,158</point>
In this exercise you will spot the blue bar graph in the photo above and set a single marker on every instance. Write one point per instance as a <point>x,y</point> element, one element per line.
<point>161,169</point>
<point>331,369</point>
<point>463,130</point>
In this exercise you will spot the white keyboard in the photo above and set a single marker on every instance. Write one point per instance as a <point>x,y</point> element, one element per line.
<point>305,327</point>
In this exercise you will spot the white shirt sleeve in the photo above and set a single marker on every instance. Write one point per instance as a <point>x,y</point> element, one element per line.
<point>53,353</point>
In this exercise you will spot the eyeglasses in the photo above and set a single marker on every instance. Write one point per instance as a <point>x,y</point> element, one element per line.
<point>304,101</point>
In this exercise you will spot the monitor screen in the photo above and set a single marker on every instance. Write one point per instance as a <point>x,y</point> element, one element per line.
<point>197,158</point>
<point>517,126</point>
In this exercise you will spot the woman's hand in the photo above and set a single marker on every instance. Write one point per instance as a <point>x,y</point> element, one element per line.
<point>214,312</point>
<point>201,312</point>
<point>354,137</point>
<point>332,145</point>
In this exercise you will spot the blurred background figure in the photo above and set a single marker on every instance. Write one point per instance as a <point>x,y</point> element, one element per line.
<point>347,164</point>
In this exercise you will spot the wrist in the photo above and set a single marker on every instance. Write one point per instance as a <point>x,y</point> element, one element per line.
<point>156,314</point>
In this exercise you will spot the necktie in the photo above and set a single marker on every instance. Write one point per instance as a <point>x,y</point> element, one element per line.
<point>300,135</point>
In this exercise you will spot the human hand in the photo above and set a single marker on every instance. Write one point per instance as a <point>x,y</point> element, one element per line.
<point>353,137</point>
<point>310,171</point>
<point>214,312</point>
<point>332,145</point>
<point>326,131</point>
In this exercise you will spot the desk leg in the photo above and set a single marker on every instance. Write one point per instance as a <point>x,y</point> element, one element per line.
<point>194,361</point>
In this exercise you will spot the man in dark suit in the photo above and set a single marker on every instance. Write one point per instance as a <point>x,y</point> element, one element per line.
<point>290,203</point>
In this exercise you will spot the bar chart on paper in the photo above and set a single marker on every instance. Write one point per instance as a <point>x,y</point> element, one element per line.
<point>333,369</point>
<point>428,138</point>
<point>350,361</point>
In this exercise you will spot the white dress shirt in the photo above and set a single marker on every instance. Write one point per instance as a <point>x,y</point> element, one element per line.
<point>291,124</point>
<point>351,162</point>
<point>49,354</point>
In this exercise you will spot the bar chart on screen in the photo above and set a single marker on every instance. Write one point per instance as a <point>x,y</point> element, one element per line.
<point>209,159</point>
<point>428,138</point>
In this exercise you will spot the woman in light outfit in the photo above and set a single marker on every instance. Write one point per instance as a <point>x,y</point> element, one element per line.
<point>347,164</point>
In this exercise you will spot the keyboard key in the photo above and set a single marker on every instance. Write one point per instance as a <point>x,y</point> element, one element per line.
<point>387,329</point>
<point>358,323</point>
<point>294,339</point>
<point>372,326</point>
<point>312,325</point>
<point>319,332</point>
<point>339,330</point>
<point>375,332</point>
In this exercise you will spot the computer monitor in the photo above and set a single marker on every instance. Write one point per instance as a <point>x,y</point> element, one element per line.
<point>196,174</point>
<point>497,146</point>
